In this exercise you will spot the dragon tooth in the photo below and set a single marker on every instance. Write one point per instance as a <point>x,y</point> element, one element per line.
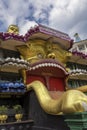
<point>33,68</point>
<point>52,64</point>
<point>49,64</point>
<point>37,66</point>
<point>46,64</point>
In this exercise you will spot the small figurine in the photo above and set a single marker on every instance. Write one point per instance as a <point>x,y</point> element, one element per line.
<point>13,29</point>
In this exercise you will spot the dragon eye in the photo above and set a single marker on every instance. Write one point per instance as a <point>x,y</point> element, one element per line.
<point>39,55</point>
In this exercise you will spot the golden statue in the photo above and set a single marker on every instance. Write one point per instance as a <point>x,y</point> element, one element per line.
<point>71,101</point>
<point>13,29</point>
<point>47,60</point>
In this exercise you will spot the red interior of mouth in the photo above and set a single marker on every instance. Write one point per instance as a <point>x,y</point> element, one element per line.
<point>52,83</point>
<point>57,84</point>
<point>53,78</point>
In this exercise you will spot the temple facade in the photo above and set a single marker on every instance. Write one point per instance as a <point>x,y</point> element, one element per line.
<point>80,46</point>
<point>42,80</point>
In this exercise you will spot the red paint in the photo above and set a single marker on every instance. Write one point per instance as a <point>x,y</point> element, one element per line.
<point>52,83</point>
<point>32,78</point>
<point>56,84</point>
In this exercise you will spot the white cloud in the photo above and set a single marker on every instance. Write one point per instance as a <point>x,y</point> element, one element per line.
<point>25,25</point>
<point>65,15</point>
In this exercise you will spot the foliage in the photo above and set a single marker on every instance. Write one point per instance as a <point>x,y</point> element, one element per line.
<point>17,108</point>
<point>3,110</point>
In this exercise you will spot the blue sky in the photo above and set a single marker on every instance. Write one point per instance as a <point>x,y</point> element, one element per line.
<point>69,16</point>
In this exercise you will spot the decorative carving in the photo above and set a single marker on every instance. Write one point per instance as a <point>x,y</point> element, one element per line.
<point>38,49</point>
<point>13,29</point>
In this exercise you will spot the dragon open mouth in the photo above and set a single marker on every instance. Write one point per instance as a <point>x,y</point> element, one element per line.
<point>50,72</point>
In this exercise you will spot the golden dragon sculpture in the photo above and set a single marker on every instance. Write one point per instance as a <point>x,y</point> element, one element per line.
<point>36,51</point>
<point>47,59</point>
<point>71,101</point>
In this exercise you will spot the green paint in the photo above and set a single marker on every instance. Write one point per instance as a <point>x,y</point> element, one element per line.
<point>77,121</point>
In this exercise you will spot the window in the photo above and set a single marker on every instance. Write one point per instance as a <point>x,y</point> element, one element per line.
<point>8,53</point>
<point>81,47</point>
<point>74,49</point>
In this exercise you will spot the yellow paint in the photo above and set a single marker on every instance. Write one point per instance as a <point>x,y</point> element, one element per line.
<point>13,29</point>
<point>70,102</point>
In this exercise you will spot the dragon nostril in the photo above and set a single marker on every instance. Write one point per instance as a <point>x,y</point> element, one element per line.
<point>51,55</point>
